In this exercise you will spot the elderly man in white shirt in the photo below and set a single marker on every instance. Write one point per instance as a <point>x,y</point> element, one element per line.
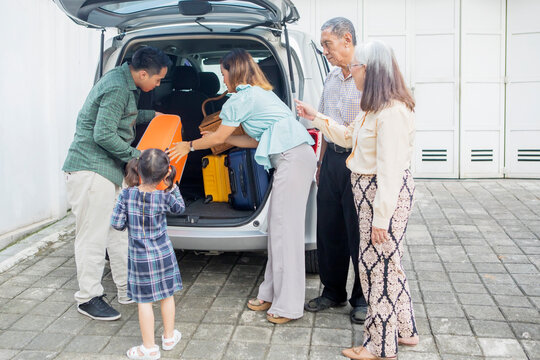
<point>337,221</point>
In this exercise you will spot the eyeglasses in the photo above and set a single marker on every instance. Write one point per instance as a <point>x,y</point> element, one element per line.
<point>351,66</point>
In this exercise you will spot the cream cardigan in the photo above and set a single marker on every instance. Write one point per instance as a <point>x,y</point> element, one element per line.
<point>382,144</point>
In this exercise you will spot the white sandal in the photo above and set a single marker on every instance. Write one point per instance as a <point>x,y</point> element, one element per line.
<point>177,335</point>
<point>147,354</point>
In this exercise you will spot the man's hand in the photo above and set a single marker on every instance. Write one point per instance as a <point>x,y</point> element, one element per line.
<point>378,235</point>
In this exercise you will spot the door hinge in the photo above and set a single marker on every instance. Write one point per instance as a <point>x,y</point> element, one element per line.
<point>506,80</point>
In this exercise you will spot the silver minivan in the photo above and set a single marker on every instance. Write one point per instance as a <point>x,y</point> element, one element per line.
<point>195,34</point>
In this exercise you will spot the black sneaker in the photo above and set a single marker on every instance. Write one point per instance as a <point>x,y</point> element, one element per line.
<point>98,309</point>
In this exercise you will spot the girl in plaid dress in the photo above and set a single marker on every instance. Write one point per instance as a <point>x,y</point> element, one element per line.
<point>153,273</point>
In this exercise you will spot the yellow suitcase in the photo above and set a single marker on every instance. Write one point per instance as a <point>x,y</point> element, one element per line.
<point>217,187</point>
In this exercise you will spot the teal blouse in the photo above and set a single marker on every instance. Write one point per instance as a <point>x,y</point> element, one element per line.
<point>265,118</point>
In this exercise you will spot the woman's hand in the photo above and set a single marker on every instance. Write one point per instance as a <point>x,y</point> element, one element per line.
<point>180,149</point>
<point>206,133</point>
<point>304,110</point>
<point>378,235</point>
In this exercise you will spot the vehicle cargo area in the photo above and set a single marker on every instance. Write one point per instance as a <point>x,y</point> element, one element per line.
<point>194,77</point>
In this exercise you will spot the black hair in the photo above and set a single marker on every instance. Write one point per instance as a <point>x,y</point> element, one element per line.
<point>150,59</point>
<point>151,168</point>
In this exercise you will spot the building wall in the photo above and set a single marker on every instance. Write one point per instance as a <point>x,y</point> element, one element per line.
<point>48,65</point>
<point>472,65</point>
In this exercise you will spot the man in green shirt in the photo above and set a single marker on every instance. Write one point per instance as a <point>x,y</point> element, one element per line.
<point>94,173</point>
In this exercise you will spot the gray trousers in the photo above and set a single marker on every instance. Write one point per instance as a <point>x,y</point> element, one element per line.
<point>92,198</point>
<point>284,277</point>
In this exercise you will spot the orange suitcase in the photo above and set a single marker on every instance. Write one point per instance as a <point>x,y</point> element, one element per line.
<point>161,133</point>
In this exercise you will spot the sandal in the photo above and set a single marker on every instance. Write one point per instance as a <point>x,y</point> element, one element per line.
<point>258,305</point>
<point>147,354</point>
<point>354,353</point>
<point>177,335</point>
<point>405,341</point>
<point>276,319</point>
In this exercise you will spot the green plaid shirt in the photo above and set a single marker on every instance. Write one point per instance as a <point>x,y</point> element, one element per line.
<point>106,127</point>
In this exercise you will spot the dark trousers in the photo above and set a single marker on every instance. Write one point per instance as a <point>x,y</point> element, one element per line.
<point>338,238</point>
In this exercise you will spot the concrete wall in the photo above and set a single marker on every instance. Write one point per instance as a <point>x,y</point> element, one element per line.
<point>47,65</point>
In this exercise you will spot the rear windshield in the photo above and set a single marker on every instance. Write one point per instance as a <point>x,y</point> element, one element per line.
<point>137,6</point>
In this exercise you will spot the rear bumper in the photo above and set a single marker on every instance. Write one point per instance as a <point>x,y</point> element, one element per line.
<point>221,239</point>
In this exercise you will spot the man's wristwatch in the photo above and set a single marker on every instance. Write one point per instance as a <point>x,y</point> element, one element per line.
<point>191,146</point>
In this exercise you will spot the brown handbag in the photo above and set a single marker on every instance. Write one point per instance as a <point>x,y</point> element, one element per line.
<point>211,123</point>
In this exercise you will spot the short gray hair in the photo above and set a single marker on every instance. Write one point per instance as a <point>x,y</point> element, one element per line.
<point>339,26</point>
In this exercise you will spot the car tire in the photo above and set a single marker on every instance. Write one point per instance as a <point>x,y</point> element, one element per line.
<point>312,262</point>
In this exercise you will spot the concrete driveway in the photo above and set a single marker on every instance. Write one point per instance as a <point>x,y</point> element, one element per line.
<point>472,258</point>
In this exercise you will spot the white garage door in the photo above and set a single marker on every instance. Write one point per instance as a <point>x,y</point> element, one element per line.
<point>435,76</point>
<point>472,121</point>
<point>482,88</point>
<point>523,89</point>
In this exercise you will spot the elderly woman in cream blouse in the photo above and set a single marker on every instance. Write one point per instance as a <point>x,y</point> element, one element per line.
<point>382,139</point>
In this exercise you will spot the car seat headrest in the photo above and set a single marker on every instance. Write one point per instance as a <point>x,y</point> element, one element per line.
<point>185,77</point>
<point>209,83</point>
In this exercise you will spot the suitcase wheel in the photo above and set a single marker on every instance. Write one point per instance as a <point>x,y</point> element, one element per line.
<point>208,199</point>
<point>205,162</point>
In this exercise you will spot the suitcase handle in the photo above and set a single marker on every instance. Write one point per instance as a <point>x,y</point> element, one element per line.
<point>232,181</point>
<point>243,186</point>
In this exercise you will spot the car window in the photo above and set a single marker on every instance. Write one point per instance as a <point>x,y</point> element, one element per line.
<point>212,65</point>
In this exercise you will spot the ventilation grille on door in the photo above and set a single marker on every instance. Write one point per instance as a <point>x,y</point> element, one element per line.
<point>434,155</point>
<point>482,155</point>
<point>528,155</point>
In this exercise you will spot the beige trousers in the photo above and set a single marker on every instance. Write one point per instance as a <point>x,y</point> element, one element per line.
<point>92,198</point>
<point>285,274</point>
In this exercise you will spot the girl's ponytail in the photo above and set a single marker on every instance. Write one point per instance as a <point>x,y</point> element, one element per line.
<point>169,180</point>
<point>132,177</point>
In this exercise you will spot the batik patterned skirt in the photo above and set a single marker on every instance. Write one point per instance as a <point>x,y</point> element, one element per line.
<point>153,272</point>
<point>390,314</point>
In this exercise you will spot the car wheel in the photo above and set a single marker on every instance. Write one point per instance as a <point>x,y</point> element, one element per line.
<point>312,262</point>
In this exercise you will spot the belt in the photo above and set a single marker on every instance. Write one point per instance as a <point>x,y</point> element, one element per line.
<point>338,149</point>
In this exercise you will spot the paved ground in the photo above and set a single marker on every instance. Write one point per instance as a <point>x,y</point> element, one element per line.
<point>473,260</point>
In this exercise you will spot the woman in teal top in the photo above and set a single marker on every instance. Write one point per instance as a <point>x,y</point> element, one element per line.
<point>283,144</point>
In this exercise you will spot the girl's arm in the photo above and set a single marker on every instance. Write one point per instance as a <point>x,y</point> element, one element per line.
<point>175,202</point>
<point>119,215</point>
